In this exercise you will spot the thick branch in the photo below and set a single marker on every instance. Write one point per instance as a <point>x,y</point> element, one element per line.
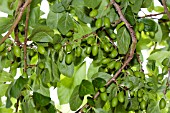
<point>25,41</point>
<point>166,9</point>
<point>133,45</point>
<point>16,21</point>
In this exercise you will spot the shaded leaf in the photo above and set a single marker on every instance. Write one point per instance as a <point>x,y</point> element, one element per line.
<point>57,7</point>
<point>86,87</point>
<point>129,15</point>
<point>137,5</point>
<point>40,99</point>
<point>150,25</point>
<point>75,101</point>
<point>92,3</point>
<point>17,87</point>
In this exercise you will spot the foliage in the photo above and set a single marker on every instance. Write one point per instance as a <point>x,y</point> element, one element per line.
<point>41,53</point>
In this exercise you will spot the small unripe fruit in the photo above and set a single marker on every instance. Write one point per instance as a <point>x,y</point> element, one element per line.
<point>162,103</point>
<point>93,13</point>
<point>41,49</point>
<point>17,51</point>
<point>98,23</point>
<point>57,47</point>
<point>103,96</point>
<point>114,101</point>
<point>69,58</point>
<point>106,22</point>
<point>121,97</point>
<point>95,50</point>
<point>141,26</point>
<point>68,48</point>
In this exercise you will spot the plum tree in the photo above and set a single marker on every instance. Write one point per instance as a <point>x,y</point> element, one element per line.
<point>38,54</point>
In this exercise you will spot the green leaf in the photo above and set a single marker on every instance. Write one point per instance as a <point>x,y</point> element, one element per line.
<point>102,75</point>
<point>66,3</point>
<point>99,110</point>
<point>64,90</point>
<point>6,8</point>
<point>123,40</point>
<point>6,110</point>
<point>165,31</point>
<point>98,82</point>
<point>34,59</point>
<point>134,103</point>
<point>75,101</point>
<point>150,25</point>
<point>147,3</point>
<point>28,106</point>
<point>55,72</point>
<point>86,87</point>
<point>57,7</point>
<point>67,85</point>
<point>52,19</point>
<point>42,34</point>
<point>43,90</point>
<point>158,34</point>
<point>17,87</point>
<point>66,70</point>
<point>35,14</point>
<point>92,3</point>
<point>130,16</point>
<point>40,99</point>
<point>103,10</point>
<point>137,5</point>
<point>65,23</point>
<point>159,56</point>
<point>81,13</point>
<point>3,89</point>
<point>83,29</point>
<point>153,107</point>
<point>142,44</point>
<point>92,70</point>
<point>5,77</point>
<point>120,109</point>
<point>5,24</point>
<point>113,15</point>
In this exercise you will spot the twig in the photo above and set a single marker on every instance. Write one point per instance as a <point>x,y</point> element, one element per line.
<point>25,41</point>
<point>166,9</point>
<point>116,22</point>
<point>16,35</point>
<point>17,104</point>
<point>150,15</point>
<point>16,21</point>
<point>167,83</point>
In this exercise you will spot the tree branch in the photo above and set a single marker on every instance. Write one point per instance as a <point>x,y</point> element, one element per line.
<point>150,15</point>
<point>25,41</point>
<point>131,54</point>
<point>16,21</point>
<point>166,9</point>
<point>133,45</point>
